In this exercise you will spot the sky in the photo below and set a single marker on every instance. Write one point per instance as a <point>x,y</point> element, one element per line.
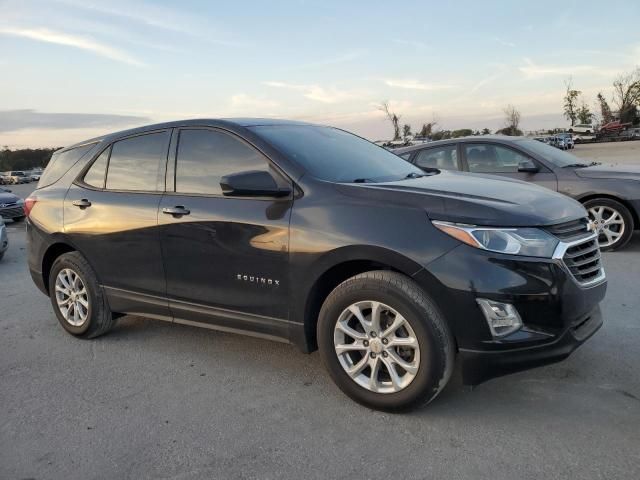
<point>74,69</point>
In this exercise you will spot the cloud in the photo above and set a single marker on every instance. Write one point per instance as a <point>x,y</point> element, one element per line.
<point>504,42</point>
<point>533,70</point>
<point>415,84</point>
<point>12,120</point>
<point>318,93</point>
<point>160,17</point>
<point>76,41</point>
<point>244,101</point>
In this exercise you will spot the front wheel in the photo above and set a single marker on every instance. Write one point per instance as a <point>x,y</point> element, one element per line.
<point>613,222</point>
<point>77,298</point>
<point>384,341</point>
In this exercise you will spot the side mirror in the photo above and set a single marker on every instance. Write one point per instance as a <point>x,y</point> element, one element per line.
<point>528,166</point>
<point>254,183</point>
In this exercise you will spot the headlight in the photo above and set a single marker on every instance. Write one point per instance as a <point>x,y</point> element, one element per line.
<point>531,242</point>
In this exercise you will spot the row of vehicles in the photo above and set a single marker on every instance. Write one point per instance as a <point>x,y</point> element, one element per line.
<point>395,268</point>
<point>16,177</point>
<point>563,141</point>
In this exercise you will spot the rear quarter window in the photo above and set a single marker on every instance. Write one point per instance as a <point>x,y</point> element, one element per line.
<point>61,162</point>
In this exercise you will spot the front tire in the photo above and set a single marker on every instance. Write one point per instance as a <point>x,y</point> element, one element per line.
<point>613,221</point>
<point>77,298</point>
<point>384,342</point>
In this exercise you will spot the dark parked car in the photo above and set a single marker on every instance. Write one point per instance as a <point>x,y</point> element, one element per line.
<point>611,195</point>
<point>313,236</point>
<point>11,206</point>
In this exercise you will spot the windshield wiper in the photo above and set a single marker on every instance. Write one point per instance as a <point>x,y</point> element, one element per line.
<point>363,180</point>
<point>576,165</point>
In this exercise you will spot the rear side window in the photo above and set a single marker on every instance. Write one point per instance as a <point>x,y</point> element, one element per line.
<point>61,162</point>
<point>443,158</point>
<point>96,174</point>
<point>137,163</point>
<point>205,156</point>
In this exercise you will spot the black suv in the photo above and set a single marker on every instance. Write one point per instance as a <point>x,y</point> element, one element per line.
<point>311,235</point>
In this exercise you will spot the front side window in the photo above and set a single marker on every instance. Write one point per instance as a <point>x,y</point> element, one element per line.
<point>443,158</point>
<point>205,156</point>
<point>137,162</point>
<point>487,158</point>
<point>335,155</point>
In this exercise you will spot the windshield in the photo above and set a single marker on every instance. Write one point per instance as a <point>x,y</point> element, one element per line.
<point>337,156</point>
<point>559,158</point>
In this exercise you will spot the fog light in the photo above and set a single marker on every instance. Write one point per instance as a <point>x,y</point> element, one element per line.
<point>503,318</point>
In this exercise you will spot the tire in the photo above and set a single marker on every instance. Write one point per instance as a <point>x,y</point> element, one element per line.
<point>98,318</point>
<point>434,357</point>
<point>1,255</point>
<point>570,130</point>
<point>588,132</point>
<point>18,219</point>
<point>609,206</point>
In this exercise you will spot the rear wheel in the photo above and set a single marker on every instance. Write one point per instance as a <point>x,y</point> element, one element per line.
<point>613,222</point>
<point>18,219</point>
<point>77,298</point>
<point>384,342</point>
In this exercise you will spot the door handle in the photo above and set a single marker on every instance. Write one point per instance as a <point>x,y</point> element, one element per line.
<point>176,211</point>
<point>84,203</point>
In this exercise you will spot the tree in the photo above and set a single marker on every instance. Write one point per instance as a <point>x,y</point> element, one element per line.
<point>584,114</point>
<point>605,109</point>
<point>512,121</point>
<point>571,102</point>
<point>463,132</point>
<point>406,131</point>
<point>486,131</point>
<point>626,95</point>
<point>393,118</point>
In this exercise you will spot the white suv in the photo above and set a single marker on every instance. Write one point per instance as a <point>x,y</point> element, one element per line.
<point>586,128</point>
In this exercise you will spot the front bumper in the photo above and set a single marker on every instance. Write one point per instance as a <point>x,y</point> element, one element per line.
<point>12,211</point>
<point>558,313</point>
<point>481,365</point>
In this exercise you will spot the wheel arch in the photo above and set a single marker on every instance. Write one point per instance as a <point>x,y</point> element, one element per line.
<point>634,214</point>
<point>334,269</point>
<point>53,251</point>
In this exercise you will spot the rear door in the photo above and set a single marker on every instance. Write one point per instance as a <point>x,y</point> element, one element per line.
<point>223,254</point>
<point>503,160</point>
<point>111,216</point>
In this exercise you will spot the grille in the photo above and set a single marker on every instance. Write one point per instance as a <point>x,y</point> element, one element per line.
<point>11,212</point>
<point>570,230</point>
<point>583,261</point>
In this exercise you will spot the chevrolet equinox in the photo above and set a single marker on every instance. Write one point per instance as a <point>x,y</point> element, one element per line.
<point>314,236</point>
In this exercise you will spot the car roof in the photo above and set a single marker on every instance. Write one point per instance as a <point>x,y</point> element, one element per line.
<point>205,122</point>
<point>472,139</point>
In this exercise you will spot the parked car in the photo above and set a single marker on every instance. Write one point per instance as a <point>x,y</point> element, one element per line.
<point>35,175</point>
<point>314,236</point>
<point>611,195</point>
<point>586,128</point>
<point>11,206</point>
<point>568,140</point>
<point>4,239</point>
<point>18,176</point>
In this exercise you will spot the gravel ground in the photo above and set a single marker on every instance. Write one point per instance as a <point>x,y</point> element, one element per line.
<point>155,400</point>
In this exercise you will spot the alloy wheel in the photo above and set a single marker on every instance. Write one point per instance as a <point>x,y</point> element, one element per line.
<point>609,224</point>
<point>72,297</point>
<point>376,347</point>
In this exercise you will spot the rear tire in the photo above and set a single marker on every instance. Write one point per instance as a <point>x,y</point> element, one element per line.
<point>18,219</point>
<point>429,360</point>
<point>614,222</point>
<point>77,297</point>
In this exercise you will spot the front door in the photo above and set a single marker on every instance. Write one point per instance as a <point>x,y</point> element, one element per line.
<point>498,159</point>
<point>111,216</point>
<point>225,257</point>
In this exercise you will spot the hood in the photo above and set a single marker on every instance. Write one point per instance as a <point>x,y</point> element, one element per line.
<point>628,172</point>
<point>6,197</point>
<point>476,199</point>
